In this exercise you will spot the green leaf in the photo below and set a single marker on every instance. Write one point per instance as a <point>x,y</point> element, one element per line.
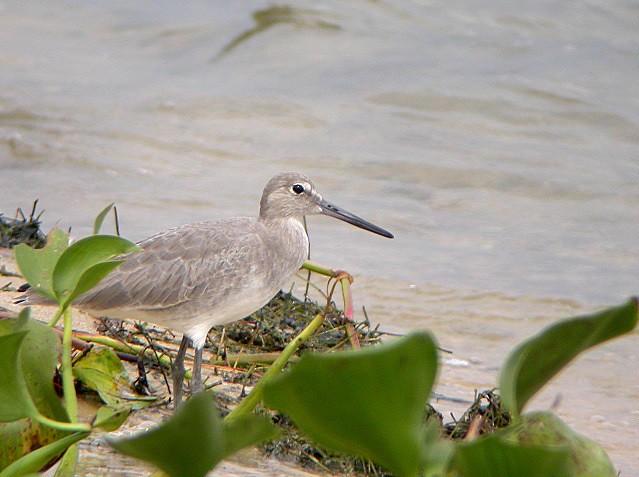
<point>36,265</point>
<point>493,456</point>
<point>85,263</point>
<point>38,459</point>
<point>101,370</point>
<point>437,451</point>
<point>15,402</point>
<point>69,462</point>
<point>244,431</point>
<point>535,361</point>
<point>194,439</point>
<point>20,322</point>
<point>38,360</point>
<point>369,403</point>
<point>545,428</point>
<point>38,357</point>
<point>99,220</point>
<point>90,278</point>
<point>110,419</point>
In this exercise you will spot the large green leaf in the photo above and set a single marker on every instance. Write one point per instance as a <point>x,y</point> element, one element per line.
<point>90,278</point>
<point>101,370</point>
<point>39,458</point>
<point>545,428</point>
<point>368,403</point>
<point>36,265</point>
<point>85,263</point>
<point>245,431</point>
<point>38,356</point>
<point>15,402</point>
<point>38,360</point>
<point>535,361</point>
<point>69,462</point>
<point>194,439</point>
<point>494,456</point>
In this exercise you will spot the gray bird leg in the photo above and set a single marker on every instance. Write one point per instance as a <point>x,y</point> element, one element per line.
<point>179,371</point>
<point>196,379</point>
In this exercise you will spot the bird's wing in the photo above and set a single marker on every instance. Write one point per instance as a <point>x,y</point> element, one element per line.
<point>176,266</point>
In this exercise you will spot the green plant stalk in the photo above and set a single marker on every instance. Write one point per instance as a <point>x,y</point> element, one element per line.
<point>250,402</point>
<point>349,313</point>
<point>112,343</point>
<point>56,317</point>
<point>62,426</point>
<point>239,358</point>
<point>317,268</point>
<point>345,282</point>
<point>116,345</point>
<point>68,388</point>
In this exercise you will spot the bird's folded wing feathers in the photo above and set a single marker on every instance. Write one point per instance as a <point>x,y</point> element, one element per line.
<point>173,267</point>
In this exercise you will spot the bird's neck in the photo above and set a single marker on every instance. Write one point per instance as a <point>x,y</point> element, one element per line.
<point>288,232</point>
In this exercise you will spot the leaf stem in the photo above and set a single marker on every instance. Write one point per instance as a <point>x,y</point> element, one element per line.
<point>68,387</point>
<point>348,298</point>
<point>56,317</point>
<point>123,347</point>
<point>255,396</point>
<point>317,268</point>
<point>62,426</point>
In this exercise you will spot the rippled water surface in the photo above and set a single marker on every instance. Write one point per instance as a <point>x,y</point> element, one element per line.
<point>499,141</point>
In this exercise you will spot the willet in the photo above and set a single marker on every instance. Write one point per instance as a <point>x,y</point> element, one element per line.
<point>200,275</point>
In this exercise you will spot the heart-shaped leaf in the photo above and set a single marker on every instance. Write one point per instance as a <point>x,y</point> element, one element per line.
<point>38,356</point>
<point>245,431</point>
<point>38,360</point>
<point>101,370</point>
<point>36,265</point>
<point>15,401</point>
<point>194,439</point>
<point>545,428</point>
<point>494,456</point>
<point>85,263</point>
<point>535,361</point>
<point>368,403</point>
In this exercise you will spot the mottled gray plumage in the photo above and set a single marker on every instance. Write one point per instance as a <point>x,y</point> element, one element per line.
<point>196,276</point>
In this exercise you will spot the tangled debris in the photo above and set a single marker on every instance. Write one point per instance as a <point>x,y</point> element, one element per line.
<point>486,411</point>
<point>22,229</point>
<point>283,318</point>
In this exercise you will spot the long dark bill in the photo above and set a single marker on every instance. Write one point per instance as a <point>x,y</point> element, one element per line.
<point>339,213</point>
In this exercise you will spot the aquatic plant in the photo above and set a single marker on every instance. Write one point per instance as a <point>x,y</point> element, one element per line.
<point>370,402</point>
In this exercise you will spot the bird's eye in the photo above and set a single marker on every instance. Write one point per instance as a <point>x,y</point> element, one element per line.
<point>298,188</point>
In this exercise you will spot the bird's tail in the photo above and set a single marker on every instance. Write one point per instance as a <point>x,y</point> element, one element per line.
<point>31,297</point>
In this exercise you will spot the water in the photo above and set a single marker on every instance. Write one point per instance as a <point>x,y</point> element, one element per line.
<point>498,141</point>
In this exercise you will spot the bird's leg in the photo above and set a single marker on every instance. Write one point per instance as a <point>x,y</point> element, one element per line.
<point>196,379</point>
<point>179,371</point>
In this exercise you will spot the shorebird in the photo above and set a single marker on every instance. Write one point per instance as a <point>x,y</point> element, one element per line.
<point>196,276</point>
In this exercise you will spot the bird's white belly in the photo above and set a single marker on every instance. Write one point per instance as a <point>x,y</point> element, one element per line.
<point>242,305</point>
<point>260,286</point>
